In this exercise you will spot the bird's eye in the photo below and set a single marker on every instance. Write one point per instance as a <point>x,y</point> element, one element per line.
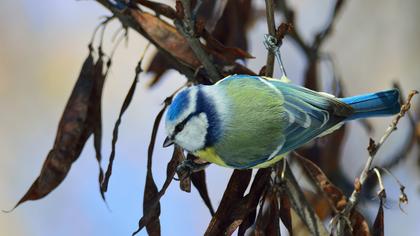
<point>179,127</point>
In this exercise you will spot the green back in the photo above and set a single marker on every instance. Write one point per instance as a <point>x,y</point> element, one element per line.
<point>265,118</point>
<point>254,125</point>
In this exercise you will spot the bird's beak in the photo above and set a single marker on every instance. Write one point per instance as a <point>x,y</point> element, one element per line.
<point>168,142</point>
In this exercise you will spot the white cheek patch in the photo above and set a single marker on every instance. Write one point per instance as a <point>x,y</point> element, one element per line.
<point>193,136</point>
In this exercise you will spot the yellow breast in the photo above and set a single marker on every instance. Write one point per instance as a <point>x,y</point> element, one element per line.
<point>270,162</point>
<point>209,154</point>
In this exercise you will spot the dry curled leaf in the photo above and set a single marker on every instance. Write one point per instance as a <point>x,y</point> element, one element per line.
<point>150,194</point>
<point>225,44</point>
<point>154,203</point>
<point>199,181</point>
<point>249,202</point>
<point>268,218</point>
<point>334,195</point>
<point>125,105</point>
<point>158,66</point>
<point>285,214</point>
<point>230,53</point>
<point>359,224</point>
<point>233,194</point>
<point>378,225</point>
<point>159,8</point>
<point>167,37</point>
<point>150,218</point>
<point>95,112</point>
<point>73,131</point>
<point>151,204</point>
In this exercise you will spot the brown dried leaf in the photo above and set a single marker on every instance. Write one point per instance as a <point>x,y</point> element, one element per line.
<point>125,105</point>
<point>230,53</point>
<point>166,37</point>
<point>95,113</point>
<point>199,181</point>
<point>179,10</point>
<point>73,131</point>
<point>231,44</point>
<point>247,223</point>
<point>335,196</point>
<point>262,71</point>
<point>285,214</point>
<point>158,67</point>
<point>151,208</point>
<point>321,205</point>
<point>327,156</point>
<point>378,225</point>
<point>359,224</point>
<point>150,194</point>
<point>154,203</point>
<point>282,30</point>
<point>234,192</point>
<point>249,203</point>
<point>232,27</point>
<point>268,221</point>
<point>159,8</point>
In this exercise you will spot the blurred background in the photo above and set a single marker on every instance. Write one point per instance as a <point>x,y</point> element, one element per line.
<point>42,47</point>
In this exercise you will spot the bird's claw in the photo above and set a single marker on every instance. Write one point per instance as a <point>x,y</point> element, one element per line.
<point>187,167</point>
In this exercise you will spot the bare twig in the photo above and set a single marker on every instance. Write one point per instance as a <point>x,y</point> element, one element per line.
<point>187,28</point>
<point>404,149</point>
<point>269,6</point>
<point>373,149</point>
<point>159,8</point>
<point>381,191</point>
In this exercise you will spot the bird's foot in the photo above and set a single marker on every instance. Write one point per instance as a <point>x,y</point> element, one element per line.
<point>187,167</point>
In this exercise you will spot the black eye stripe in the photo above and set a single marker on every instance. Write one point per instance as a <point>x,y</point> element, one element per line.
<point>180,126</point>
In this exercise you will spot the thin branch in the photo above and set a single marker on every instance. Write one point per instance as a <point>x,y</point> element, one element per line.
<point>159,8</point>
<point>373,149</point>
<point>269,6</point>
<point>187,29</point>
<point>380,181</point>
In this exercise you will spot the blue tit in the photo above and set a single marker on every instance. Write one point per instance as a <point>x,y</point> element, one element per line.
<point>247,121</point>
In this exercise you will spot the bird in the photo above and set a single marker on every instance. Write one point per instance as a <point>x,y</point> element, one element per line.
<point>245,121</point>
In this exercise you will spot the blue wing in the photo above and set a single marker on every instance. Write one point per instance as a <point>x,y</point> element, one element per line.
<point>307,115</point>
<point>310,114</point>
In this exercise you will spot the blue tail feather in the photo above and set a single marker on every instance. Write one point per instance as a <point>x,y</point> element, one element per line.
<point>374,104</point>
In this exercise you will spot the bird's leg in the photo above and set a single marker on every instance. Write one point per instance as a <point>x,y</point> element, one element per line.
<point>188,166</point>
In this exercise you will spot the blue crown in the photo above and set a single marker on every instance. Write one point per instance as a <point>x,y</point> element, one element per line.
<point>178,105</point>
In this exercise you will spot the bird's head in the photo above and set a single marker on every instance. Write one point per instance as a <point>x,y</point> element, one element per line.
<point>193,120</point>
